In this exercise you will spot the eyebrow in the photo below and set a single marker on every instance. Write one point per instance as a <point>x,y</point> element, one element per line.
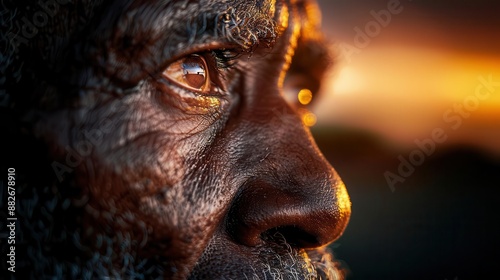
<point>247,24</point>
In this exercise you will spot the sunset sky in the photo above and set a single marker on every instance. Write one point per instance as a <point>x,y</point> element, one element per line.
<point>402,77</point>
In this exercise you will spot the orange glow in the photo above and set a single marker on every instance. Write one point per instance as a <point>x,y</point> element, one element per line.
<point>402,93</point>
<point>343,200</point>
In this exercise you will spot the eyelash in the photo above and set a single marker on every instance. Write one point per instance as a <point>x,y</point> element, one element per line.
<point>225,58</point>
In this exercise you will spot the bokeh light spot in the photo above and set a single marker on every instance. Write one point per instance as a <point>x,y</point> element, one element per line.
<point>309,119</point>
<point>305,96</point>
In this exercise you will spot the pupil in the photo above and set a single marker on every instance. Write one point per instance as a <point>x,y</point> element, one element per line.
<point>194,72</point>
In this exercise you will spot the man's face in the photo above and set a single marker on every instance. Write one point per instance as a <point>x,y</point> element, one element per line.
<point>191,161</point>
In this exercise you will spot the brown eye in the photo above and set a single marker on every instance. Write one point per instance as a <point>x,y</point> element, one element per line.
<point>190,72</point>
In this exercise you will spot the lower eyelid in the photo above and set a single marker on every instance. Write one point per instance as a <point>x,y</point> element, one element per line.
<point>190,101</point>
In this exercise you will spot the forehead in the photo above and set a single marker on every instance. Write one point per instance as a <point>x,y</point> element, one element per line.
<point>204,14</point>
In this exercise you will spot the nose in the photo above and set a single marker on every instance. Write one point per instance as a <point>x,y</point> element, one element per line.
<point>292,190</point>
<point>309,210</point>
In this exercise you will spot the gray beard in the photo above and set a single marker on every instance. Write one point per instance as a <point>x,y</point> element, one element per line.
<point>312,265</point>
<point>292,264</point>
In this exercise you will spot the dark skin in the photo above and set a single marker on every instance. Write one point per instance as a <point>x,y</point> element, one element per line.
<point>168,146</point>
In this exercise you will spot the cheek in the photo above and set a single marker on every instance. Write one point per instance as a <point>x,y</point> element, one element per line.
<point>125,185</point>
<point>139,169</point>
<point>137,142</point>
<point>134,159</point>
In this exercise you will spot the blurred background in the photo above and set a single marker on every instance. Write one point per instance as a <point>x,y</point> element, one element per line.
<point>410,118</point>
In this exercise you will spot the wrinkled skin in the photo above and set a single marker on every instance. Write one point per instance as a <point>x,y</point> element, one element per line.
<point>138,171</point>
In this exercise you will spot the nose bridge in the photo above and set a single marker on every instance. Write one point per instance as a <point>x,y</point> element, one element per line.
<point>290,150</point>
<point>279,129</point>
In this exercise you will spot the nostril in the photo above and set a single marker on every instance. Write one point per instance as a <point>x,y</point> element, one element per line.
<point>292,235</point>
<point>303,216</point>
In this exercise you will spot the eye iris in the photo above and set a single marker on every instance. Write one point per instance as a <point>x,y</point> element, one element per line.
<point>190,72</point>
<point>194,72</point>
